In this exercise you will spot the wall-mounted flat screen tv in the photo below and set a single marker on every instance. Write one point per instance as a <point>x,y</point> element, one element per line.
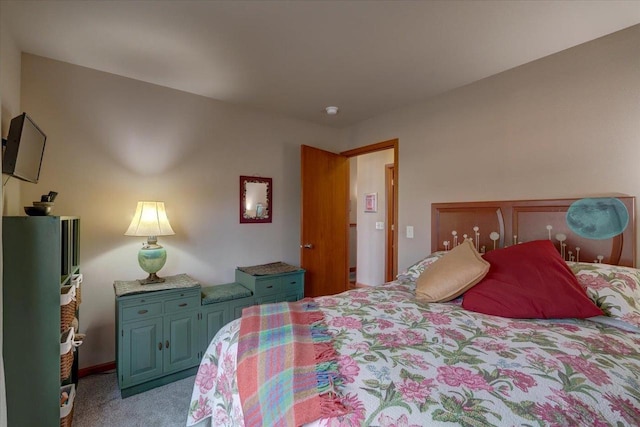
<point>25,148</point>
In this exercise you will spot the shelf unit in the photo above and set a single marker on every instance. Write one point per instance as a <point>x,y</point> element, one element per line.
<point>40,256</point>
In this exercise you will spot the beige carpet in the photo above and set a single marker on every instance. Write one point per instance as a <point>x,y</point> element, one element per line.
<point>98,404</point>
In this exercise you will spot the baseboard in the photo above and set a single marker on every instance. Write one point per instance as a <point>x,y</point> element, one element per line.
<point>84,372</point>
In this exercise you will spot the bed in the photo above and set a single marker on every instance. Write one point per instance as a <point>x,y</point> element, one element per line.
<point>406,362</point>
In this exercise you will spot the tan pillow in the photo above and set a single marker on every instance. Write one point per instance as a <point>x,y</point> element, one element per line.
<point>452,275</point>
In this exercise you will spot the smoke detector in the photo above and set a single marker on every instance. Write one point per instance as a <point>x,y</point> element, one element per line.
<point>332,111</point>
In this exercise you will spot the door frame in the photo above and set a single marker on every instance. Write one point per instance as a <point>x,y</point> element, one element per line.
<point>372,148</point>
<point>391,262</point>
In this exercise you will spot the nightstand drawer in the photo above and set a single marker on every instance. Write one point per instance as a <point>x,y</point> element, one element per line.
<point>184,303</point>
<point>267,286</point>
<point>291,282</point>
<point>139,312</point>
<point>134,301</point>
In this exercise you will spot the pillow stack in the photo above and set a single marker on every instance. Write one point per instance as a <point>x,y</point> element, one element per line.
<point>525,281</point>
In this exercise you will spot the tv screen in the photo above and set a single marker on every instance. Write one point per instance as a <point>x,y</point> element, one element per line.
<point>25,148</point>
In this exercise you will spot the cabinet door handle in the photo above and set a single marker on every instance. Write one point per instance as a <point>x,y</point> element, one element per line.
<point>269,287</point>
<point>160,346</point>
<point>184,304</point>
<point>143,311</point>
<point>166,344</point>
<point>292,283</point>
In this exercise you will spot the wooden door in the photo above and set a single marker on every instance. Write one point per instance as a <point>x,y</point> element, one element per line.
<point>324,252</point>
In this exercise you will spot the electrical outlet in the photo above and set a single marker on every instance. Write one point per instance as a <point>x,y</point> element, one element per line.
<point>409,231</point>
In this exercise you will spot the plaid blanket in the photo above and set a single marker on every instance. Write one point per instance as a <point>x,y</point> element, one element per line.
<point>287,368</point>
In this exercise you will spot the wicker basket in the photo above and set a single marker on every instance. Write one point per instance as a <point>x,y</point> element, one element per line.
<point>66,408</point>
<point>76,279</point>
<point>67,306</point>
<point>66,354</point>
<point>67,420</point>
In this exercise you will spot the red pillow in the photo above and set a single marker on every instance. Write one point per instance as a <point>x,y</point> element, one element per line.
<point>529,281</point>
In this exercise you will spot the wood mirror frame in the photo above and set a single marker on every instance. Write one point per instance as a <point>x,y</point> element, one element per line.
<point>255,199</point>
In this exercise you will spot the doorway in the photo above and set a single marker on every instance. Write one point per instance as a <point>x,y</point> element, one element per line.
<point>391,259</point>
<point>373,229</point>
<point>324,236</point>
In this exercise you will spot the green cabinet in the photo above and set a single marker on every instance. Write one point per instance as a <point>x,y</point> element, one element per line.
<point>157,337</point>
<point>236,306</point>
<point>162,332</point>
<point>215,316</point>
<point>273,287</point>
<point>246,291</point>
<point>40,254</point>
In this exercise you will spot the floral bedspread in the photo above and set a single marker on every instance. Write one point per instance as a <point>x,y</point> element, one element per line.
<point>411,364</point>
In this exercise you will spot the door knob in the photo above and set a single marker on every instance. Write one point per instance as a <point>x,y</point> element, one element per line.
<point>307,246</point>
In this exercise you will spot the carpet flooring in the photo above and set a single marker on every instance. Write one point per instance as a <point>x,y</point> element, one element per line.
<point>99,404</point>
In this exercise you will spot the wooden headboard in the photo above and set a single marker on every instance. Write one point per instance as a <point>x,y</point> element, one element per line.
<point>518,221</point>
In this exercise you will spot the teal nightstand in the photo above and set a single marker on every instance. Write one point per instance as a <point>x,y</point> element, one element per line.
<point>157,332</point>
<point>275,287</point>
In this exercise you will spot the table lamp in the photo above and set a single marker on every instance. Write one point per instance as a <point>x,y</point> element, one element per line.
<point>151,220</point>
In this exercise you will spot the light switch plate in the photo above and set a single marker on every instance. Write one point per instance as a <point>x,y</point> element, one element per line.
<point>379,225</point>
<point>409,231</point>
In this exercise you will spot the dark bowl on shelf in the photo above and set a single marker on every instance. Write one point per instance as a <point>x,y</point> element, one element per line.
<point>43,204</point>
<point>37,210</point>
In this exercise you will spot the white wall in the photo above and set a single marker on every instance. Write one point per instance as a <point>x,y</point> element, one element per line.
<point>9,107</point>
<point>10,87</point>
<point>372,242</point>
<point>563,126</point>
<point>113,141</point>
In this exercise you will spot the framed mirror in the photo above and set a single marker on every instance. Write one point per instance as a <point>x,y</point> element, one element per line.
<point>255,199</point>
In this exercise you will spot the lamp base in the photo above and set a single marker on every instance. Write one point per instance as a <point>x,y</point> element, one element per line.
<point>151,259</point>
<point>153,278</point>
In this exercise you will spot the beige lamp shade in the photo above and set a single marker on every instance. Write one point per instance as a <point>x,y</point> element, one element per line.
<point>150,219</point>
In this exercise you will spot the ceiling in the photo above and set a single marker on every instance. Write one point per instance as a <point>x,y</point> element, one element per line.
<point>297,57</point>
